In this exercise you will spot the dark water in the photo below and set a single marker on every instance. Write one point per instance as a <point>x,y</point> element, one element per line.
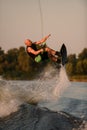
<point>73,100</point>
<point>56,93</point>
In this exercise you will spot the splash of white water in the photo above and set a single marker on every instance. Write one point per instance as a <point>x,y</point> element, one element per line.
<point>62,83</point>
<point>8,102</point>
<point>14,93</point>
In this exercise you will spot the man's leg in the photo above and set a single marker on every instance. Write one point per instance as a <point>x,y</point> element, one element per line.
<point>52,52</point>
<point>53,55</point>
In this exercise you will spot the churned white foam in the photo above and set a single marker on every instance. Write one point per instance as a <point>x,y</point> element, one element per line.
<point>14,93</point>
<point>8,107</point>
<point>8,101</point>
<point>62,83</point>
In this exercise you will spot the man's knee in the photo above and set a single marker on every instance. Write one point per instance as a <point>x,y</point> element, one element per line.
<point>47,49</point>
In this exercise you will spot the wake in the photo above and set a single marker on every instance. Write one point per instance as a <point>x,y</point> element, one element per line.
<point>62,84</point>
<point>49,87</point>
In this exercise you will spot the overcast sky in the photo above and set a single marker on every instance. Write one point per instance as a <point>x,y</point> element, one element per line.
<point>65,20</point>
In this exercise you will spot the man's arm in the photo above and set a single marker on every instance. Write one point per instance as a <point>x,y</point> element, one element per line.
<point>43,40</point>
<point>30,50</point>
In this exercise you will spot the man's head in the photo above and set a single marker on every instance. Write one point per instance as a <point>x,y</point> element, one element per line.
<point>28,42</point>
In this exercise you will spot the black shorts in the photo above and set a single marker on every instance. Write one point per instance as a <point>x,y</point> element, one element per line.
<point>44,56</point>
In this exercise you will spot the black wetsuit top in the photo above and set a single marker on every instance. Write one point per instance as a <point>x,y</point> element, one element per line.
<point>34,47</point>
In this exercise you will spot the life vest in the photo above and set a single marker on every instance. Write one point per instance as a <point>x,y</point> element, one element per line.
<point>36,58</point>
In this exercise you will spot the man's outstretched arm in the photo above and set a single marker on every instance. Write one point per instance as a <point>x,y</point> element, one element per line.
<point>43,39</point>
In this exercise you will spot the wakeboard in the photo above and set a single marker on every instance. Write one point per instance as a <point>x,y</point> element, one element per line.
<point>63,52</point>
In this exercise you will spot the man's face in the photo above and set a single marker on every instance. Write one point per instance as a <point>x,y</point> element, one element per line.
<point>28,42</point>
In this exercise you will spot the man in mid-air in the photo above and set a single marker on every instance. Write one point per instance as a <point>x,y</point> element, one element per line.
<point>43,53</point>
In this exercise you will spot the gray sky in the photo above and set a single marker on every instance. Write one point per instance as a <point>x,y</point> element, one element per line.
<point>65,20</point>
